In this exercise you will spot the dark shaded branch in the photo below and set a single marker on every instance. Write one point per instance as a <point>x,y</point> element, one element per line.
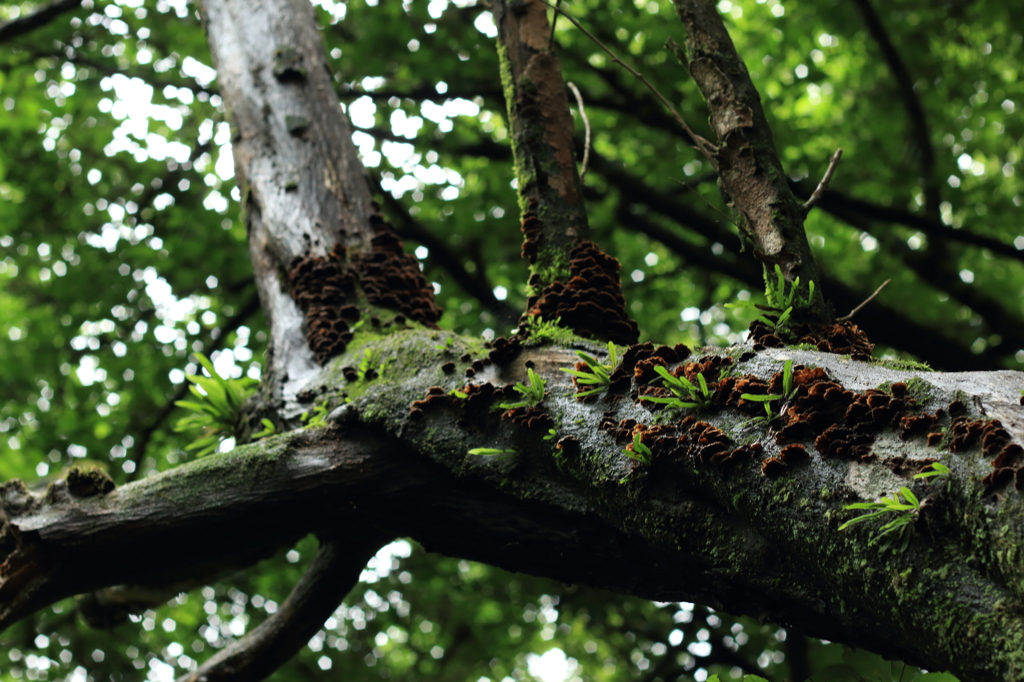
<point>702,145</point>
<point>797,649</point>
<point>917,123</point>
<point>333,573</point>
<point>938,272</point>
<point>909,336</point>
<point>426,91</point>
<point>41,17</point>
<point>840,205</point>
<point>145,75</point>
<point>474,284</point>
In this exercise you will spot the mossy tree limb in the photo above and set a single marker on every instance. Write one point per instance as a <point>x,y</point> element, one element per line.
<point>541,125</point>
<point>750,174</point>
<point>576,509</point>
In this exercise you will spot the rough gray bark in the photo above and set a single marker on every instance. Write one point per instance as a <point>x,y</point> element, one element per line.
<point>710,519</point>
<point>302,182</point>
<point>750,174</point>
<point>681,528</point>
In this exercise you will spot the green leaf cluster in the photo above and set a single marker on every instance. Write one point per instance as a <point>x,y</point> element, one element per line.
<point>532,392</point>
<point>686,394</point>
<point>598,374</point>
<point>640,452</point>
<point>788,392</point>
<point>782,298</point>
<point>905,510</point>
<point>216,407</point>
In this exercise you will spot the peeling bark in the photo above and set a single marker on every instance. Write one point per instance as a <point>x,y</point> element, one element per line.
<point>751,176</point>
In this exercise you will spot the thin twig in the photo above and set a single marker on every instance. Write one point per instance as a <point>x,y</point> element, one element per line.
<point>586,128</point>
<point>554,22</point>
<point>867,300</point>
<point>702,145</point>
<point>822,187</point>
<point>710,205</point>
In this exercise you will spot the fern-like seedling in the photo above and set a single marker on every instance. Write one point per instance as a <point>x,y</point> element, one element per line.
<point>215,409</point>
<point>685,392</point>
<point>902,513</point>
<point>597,374</point>
<point>532,392</point>
<point>640,452</point>
<point>781,300</point>
<point>487,452</point>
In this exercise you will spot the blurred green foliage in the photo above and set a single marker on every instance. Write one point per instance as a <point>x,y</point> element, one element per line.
<point>122,253</point>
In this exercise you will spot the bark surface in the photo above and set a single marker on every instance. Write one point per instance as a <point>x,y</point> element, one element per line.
<point>710,505</point>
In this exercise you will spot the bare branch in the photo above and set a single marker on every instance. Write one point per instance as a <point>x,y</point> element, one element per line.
<point>702,145</point>
<point>41,17</point>
<point>333,573</point>
<point>823,185</point>
<point>867,300</point>
<point>918,122</point>
<point>586,127</point>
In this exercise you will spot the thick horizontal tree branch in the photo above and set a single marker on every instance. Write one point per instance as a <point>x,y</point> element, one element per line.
<point>679,529</point>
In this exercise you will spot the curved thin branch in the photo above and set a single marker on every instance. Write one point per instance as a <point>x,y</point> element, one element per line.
<point>822,187</point>
<point>918,122</point>
<point>41,17</point>
<point>586,127</point>
<point>838,204</point>
<point>331,575</point>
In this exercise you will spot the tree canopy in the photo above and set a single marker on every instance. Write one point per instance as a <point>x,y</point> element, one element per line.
<point>124,255</point>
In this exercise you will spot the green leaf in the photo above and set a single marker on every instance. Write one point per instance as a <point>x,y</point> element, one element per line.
<point>754,398</point>
<point>491,451</point>
<point>837,673</point>
<point>871,667</point>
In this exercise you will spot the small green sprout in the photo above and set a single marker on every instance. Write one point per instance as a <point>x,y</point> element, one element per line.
<point>599,374</point>
<point>905,511</point>
<point>686,393</point>
<point>938,469</point>
<point>781,300</point>
<point>316,416</point>
<point>533,392</point>
<point>268,429</point>
<point>640,452</point>
<point>769,416</point>
<point>552,434</point>
<point>447,344</point>
<point>216,408</point>
<point>491,451</point>
<point>461,395</point>
<point>370,365</point>
<point>789,389</point>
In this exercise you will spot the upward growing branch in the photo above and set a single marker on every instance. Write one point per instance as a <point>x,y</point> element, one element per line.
<point>751,176</point>
<point>549,185</point>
